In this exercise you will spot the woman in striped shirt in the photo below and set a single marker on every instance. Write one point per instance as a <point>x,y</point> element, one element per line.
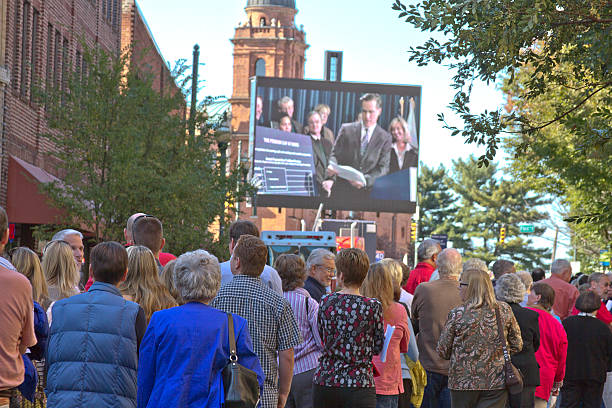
<point>292,271</point>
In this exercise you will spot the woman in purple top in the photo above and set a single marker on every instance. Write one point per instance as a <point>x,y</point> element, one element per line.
<point>351,327</point>
<point>292,271</point>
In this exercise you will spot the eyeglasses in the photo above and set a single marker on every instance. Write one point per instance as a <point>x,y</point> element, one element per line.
<point>330,271</point>
<point>139,217</point>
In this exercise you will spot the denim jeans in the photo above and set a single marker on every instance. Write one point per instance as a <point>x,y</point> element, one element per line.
<point>386,401</point>
<point>437,394</point>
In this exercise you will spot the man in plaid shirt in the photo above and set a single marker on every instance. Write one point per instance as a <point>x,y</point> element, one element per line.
<point>272,325</point>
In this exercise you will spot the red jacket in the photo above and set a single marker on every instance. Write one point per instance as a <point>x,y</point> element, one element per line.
<point>420,274</point>
<point>552,353</point>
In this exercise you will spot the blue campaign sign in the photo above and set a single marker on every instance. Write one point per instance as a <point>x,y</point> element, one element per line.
<point>283,163</point>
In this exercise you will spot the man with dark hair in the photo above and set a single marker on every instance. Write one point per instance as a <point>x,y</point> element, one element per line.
<point>271,322</point>
<point>502,267</point>
<point>537,274</point>
<point>16,320</point>
<point>364,146</point>
<point>269,275</point>
<point>94,339</point>
<point>148,231</point>
<point>164,257</point>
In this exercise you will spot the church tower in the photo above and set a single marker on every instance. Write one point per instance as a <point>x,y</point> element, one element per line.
<point>267,44</point>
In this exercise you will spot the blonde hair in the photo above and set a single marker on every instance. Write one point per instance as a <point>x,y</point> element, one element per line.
<point>167,278</point>
<point>379,284</point>
<point>479,291</point>
<point>27,263</point>
<point>60,269</point>
<point>142,283</point>
<point>395,269</point>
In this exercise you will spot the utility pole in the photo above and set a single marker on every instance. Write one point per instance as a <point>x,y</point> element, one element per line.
<point>194,89</point>
<point>554,252</point>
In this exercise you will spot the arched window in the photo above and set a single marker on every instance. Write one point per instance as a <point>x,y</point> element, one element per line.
<point>262,22</point>
<point>260,67</point>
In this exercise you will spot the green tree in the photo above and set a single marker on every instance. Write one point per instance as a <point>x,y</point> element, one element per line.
<point>486,40</point>
<point>438,205</point>
<point>566,162</point>
<point>472,205</point>
<point>486,204</point>
<point>122,147</point>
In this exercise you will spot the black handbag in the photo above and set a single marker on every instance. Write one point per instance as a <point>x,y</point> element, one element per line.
<point>240,384</point>
<point>514,378</point>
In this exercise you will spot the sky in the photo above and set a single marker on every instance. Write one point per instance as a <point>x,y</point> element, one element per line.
<point>375,46</point>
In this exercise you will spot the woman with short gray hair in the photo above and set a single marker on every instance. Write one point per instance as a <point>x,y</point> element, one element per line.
<point>509,288</point>
<point>191,340</point>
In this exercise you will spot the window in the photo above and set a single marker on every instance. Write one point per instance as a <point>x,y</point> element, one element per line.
<point>403,232</point>
<point>57,58</point>
<point>260,67</point>
<point>34,53</point>
<point>49,64</point>
<point>24,49</point>
<point>16,47</point>
<point>65,64</point>
<point>262,22</point>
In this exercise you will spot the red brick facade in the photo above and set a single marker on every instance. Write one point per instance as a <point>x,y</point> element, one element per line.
<point>41,41</point>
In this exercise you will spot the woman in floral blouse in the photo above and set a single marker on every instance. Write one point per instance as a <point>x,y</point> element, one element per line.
<point>470,339</point>
<point>351,328</point>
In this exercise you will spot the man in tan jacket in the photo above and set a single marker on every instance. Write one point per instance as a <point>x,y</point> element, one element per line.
<point>430,306</point>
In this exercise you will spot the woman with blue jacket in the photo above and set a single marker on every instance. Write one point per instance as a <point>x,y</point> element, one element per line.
<point>185,348</point>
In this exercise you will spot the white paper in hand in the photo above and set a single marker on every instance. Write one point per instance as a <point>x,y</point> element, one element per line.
<point>348,173</point>
<point>388,333</point>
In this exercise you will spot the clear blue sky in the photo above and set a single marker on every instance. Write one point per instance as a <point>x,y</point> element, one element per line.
<point>374,41</point>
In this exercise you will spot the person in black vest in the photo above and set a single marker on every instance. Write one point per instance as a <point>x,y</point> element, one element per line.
<point>510,289</point>
<point>589,354</point>
<point>321,148</point>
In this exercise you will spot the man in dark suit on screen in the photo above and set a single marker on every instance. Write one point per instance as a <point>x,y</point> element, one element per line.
<point>364,146</point>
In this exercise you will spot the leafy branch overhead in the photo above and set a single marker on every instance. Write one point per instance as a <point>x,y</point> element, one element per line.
<point>486,40</point>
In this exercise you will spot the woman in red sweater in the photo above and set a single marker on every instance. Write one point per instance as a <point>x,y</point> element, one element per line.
<point>553,344</point>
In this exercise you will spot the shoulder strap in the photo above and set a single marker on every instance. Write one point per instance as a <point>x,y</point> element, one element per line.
<point>500,332</point>
<point>232,338</point>
<point>307,307</point>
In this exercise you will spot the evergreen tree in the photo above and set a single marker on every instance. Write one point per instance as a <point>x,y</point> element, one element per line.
<point>486,204</point>
<point>437,203</point>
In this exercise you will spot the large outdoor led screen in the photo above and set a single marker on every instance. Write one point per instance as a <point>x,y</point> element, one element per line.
<point>350,146</point>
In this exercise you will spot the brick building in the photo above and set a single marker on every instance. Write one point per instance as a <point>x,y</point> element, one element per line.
<point>270,44</point>
<point>40,40</point>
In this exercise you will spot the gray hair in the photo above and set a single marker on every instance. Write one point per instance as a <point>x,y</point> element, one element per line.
<point>559,266</point>
<point>317,256</point>
<point>596,277</point>
<point>197,276</point>
<point>526,279</point>
<point>428,249</point>
<point>59,236</point>
<point>449,263</point>
<point>509,288</point>
<point>475,263</point>
<point>284,100</point>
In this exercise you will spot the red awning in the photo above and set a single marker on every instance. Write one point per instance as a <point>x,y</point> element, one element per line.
<point>25,203</point>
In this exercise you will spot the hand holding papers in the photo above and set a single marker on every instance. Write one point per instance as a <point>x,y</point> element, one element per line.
<point>388,333</point>
<point>347,173</point>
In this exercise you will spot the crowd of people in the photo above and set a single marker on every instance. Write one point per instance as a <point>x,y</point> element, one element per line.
<point>142,328</point>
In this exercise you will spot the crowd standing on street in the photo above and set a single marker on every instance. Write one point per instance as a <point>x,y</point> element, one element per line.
<point>136,327</point>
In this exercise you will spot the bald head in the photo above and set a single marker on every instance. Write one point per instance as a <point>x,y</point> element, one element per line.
<point>129,228</point>
<point>449,264</point>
